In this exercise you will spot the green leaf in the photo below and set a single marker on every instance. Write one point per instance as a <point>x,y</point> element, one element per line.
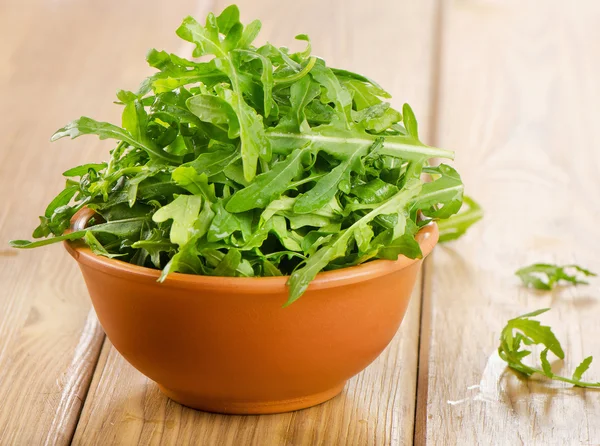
<point>186,260</point>
<point>225,223</point>
<point>268,186</point>
<point>26,244</point>
<point>216,111</point>
<point>456,226</point>
<point>524,331</point>
<point>84,169</point>
<point>104,130</point>
<point>62,199</point>
<point>228,265</point>
<point>539,334</point>
<point>216,258</point>
<point>252,134</point>
<point>125,228</point>
<point>249,34</point>
<point>582,368</point>
<point>410,122</point>
<point>375,191</point>
<point>213,163</point>
<point>302,93</point>
<point>266,78</point>
<point>378,117</point>
<point>446,190</point>
<point>155,244</point>
<point>334,91</point>
<point>97,247</point>
<point>290,240</point>
<point>405,245</point>
<point>344,74</point>
<point>228,19</point>
<point>304,54</point>
<point>189,178</point>
<point>545,276</point>
<point>547,369</point>
<point>206,39</point>
<point>183,211</point>
<point>326,187</point>
<point>342,143</point>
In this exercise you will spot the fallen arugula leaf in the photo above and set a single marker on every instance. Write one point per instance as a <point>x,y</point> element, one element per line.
<point>522,332</point>
<point>255,161</point>
<point>544,276</point>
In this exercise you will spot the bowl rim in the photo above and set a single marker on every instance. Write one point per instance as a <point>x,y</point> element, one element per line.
<point>427,237</point>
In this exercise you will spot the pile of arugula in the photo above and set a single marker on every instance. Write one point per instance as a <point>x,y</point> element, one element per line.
<point>257,162</point>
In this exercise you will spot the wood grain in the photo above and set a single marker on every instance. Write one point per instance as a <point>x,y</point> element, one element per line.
<point>519,102</point>
<point>59,60</point>
<point>377,407</point>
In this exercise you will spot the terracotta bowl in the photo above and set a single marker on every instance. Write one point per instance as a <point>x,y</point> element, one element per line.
<point>225,344</point>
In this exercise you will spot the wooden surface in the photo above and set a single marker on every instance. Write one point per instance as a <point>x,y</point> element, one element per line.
<point>512,86</point>
<point>519,100</point>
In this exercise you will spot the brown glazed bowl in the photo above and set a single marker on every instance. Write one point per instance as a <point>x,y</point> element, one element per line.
<point>225,344</point>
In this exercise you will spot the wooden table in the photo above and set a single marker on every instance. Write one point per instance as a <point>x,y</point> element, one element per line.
<point>513,86</point>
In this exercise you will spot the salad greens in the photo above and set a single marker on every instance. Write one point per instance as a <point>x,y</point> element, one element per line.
<point>522,332</point>
<point>544,276</point>
<point>255,161</point>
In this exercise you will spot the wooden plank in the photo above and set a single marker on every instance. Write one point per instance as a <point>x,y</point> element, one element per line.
<point>377,406</point>
<point>60,60</point>
<point>519,103</point>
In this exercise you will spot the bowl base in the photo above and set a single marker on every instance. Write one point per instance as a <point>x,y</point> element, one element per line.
<point>251,407</point>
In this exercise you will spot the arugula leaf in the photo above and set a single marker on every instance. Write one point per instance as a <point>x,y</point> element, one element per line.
<point>84,169</point>
<point>183,211</point>
<point>268,186</point>
<point>125,228</point>
<point>327,186</point>
<point>228,19</point>
<point>97,247</point>
<point>544,276</point>
<point>216,111</point>
<point>212,163</point>
<point>154,245</point>
<point>522,332</point>
<point>302,93</point>
<point>88,126</point>
<point>456,225</point>
<point>254,142</point>
<point>410,122</point>
<point>266,78</point>
<point>189,178</point>
<point>342,143</point>
<point>333,90</point>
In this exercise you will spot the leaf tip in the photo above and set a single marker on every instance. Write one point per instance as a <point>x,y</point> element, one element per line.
<point>19,243</point>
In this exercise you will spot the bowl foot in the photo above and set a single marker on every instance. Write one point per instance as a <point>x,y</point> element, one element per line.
<point>250,407</point>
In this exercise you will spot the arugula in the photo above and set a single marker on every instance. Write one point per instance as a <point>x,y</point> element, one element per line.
<point>522,332</point>
<point>255,161</point>
<point>544,276</point>
<point>456,226</point>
